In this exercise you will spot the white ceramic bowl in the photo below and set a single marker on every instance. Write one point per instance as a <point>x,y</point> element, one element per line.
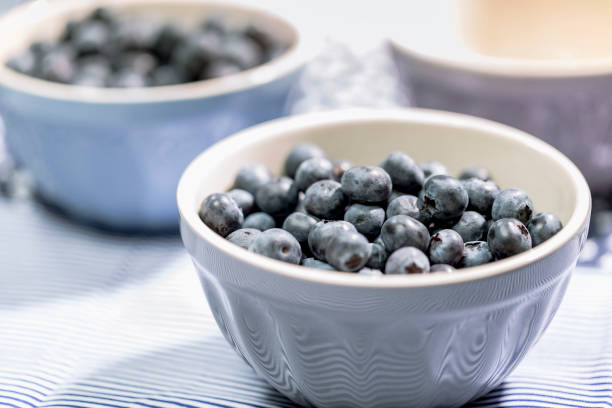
<point>519,63</point>
<point>338,339</point>
<point>114,156</point>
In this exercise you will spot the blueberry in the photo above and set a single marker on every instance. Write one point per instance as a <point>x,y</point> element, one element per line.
<point>104,15</point>
<point>471,226</point>
<point>311,171</point>
<point>260,221</point>
<point>300,225</point>
<point>244,199</point>
<point>215,24</point>
<point>475,172</point>
<point>58,66</point>
<point>444,198</point>
<point>339,167</point>
<point>507,237</point>
<point>277,197</point>
<point>91,37</point>
<point>367,184</point>
<point>322,232</point>
<point>219,68</point>
<point>378,256</point>
<point>512,203</point>
<point>370,272</point>
<point>278,244</point>
<point>475,253</point>
<point>143,63</point>
<point>401,231</point>
<point>242,51</point>
<point>347,251</point>
<point>194,54</point>
<point>433,169</point>
<point>543,226</point>
<point>446,247</point>
<point>24,63</point>
<point>95,66</point>
<point>165,75</point>
<point>252,176</point>
<point>243,237</point>
<point>442,268</point>
<point>325,199</point>
<point>403,205</point>
<point>259,37</point>
<point>221,214</point>
<point>406,261</point>
<point>481,194</point>
<point>167,38</point>
<point>367,219</point>
<point>41,48</point>
<point>315,263</point>
<point>299,154</point>
<point>404,172</point>
<point>134,34</point>
<point>127,78</point>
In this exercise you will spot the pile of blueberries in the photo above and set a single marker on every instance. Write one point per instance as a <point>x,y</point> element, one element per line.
<point>109,50</point>
<point>396,218</point>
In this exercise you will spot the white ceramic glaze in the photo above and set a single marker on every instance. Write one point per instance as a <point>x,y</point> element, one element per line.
<point>563,100</point>
<point>344,340</point>
<point>114,156</point>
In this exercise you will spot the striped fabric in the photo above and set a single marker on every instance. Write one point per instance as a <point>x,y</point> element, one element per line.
<point>90,319</point>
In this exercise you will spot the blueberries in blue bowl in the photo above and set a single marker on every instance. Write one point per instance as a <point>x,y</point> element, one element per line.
<point>396,219</point>
<point>145,52</point>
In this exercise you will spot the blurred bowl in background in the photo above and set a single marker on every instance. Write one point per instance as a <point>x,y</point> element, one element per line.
<point>113,157</point>
<point>333,339</point>
<point>544,67</point>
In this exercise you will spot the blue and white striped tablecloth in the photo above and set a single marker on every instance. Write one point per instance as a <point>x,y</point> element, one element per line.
<point>91,319</point>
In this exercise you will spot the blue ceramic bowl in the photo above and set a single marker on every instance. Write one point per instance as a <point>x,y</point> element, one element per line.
<point>333,339</point>
<point>114,156</point>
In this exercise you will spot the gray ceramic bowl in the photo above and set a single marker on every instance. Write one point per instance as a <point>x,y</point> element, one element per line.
<point>114,156</point>
<point>338,339</point>
<point>456,56</point>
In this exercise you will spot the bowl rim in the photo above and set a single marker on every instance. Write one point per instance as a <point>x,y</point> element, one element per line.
<point>473,62</point>
<point>299,52</point>
<point>190,181</point>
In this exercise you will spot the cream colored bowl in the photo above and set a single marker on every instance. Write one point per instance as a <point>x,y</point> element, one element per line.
<point>544,66</point>
<point>338,339</point>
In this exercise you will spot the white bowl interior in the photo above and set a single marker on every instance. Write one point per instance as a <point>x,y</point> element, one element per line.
<point>523,37</point>
<point>46,21</point>
<point>515,159</point>
<point>512,164</point>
